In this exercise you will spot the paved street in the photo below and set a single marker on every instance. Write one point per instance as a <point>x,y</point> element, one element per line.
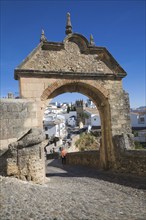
<point>74,193</point>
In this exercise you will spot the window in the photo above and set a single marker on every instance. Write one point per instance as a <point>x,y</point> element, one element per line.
<point>141,120</point>
<point>47,136</point>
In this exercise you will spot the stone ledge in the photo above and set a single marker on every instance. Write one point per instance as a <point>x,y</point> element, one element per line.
<point>60,74</point>
<point>84,158</point>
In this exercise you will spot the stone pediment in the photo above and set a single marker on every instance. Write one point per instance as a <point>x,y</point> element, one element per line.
<point>74,56</point>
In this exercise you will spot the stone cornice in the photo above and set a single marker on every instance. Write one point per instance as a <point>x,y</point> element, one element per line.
<point>52,46</point>
<point>50,74</point>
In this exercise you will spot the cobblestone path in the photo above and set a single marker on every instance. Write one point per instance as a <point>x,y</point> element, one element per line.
<point>74,193</point>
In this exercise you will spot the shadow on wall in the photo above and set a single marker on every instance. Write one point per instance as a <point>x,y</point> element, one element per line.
<point>3,163</point>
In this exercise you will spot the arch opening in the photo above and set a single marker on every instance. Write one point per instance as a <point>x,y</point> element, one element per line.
<point>79,119</point>
<point>100,98</point>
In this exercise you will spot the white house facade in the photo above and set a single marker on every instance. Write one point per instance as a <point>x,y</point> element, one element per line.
<point>138,120</point>
<point>138,124</point>
<point>92,119</point>
<point>54,126</point>
<point>71,121</point>
<point>90,103</point>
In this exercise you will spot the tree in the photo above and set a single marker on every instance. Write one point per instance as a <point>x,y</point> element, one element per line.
<point>68,109</point>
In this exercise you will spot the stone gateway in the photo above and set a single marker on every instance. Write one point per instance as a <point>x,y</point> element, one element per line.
<point>77,65</point>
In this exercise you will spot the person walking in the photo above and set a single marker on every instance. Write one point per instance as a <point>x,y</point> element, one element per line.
<point>63,155</point>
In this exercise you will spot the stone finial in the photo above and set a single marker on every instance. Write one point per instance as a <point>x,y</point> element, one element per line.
<point>92,43</point>
<point>68,25</point>
<point>43,38</point>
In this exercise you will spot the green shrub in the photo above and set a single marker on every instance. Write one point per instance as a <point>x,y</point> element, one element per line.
<point>87,141</point>
<point>138,145</point>
<point>135,133</point>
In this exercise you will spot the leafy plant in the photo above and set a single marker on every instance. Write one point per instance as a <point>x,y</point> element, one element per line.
<point>88,141</point>
<point>138,145</point>
<point>135,133</point>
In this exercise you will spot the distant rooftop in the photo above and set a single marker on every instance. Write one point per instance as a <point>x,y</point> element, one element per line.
<point>92,110</point>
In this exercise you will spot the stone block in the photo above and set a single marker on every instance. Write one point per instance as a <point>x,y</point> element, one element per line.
<point>12,168</point>
<point>25,159</point>
<point>16,116</point>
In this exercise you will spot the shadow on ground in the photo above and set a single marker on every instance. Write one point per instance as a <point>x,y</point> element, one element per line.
<point>55,168</point>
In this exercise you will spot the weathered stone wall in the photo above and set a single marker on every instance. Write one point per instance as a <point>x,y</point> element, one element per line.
<point>16,117</point>
<point>120,111</point>
<point>128,161</point>
<point>133,161</point>
<point>85,158</point>
<point>33,89</point>
<point>25,158</point>
<point>68,59</point>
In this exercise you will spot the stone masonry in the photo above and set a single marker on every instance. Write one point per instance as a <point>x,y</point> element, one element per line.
<point>76,66</point>
<point>16,117</point>
<point>25,158</point>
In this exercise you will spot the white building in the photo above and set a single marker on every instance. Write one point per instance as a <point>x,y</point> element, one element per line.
<point>54,126</point>
<point>70,118</point>
<point>64,107</point>
<point>141,136</point>
<point>52,109</point>
<point>138,124</point>
<point>71,121</point>
<point>93,118</point>
<point>138,120</point>
<point>53,103</point>
<point>90,104</point>
<point>48,118</point>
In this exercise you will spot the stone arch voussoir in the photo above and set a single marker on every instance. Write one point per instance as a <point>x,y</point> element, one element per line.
<point>54,86</point>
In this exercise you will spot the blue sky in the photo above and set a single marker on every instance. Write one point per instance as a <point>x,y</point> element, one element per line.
<point>118,25</point>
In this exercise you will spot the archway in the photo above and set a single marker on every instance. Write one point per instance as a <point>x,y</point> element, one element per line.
<point>100,98</point>
<point>77,65</point>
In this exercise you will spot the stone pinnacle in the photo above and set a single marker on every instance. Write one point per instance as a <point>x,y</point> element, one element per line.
<point>43,38</point>
<point>68,25</point>
<point>92,43</point>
